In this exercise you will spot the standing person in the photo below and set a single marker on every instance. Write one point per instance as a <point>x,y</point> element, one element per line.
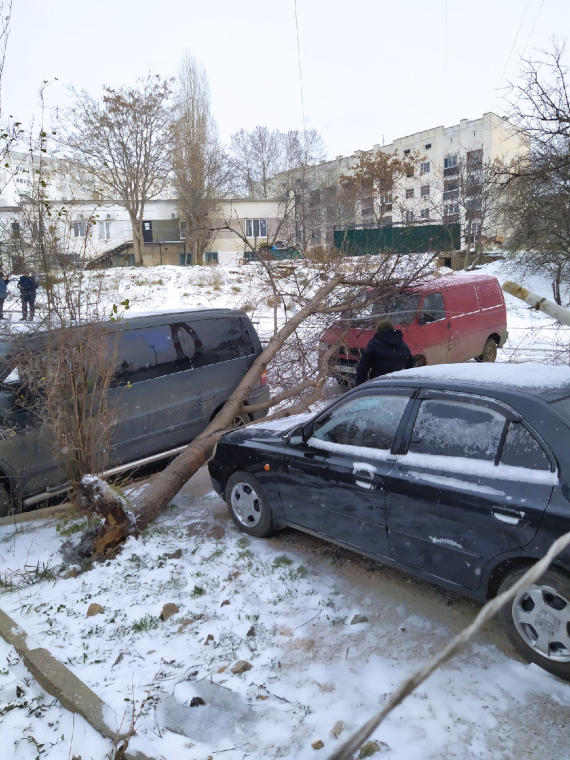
<point>28,286</point>
<point>3,291</point>
<point>385,352</point>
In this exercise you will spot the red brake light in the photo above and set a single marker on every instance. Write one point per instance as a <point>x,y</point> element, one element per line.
<point>263,378</point>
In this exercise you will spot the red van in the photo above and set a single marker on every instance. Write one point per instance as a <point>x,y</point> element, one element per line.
<point>444,320</point>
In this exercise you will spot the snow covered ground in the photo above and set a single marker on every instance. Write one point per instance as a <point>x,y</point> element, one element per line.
<point>327,635</point>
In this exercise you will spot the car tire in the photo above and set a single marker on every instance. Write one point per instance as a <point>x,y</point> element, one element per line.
<point>489,351</point>
<point>537,620</point>
<point>248,505</point>
<point>419,360</point>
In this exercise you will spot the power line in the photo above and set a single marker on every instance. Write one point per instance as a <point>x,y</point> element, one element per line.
<point>300,69</point>
<point>514,42</point>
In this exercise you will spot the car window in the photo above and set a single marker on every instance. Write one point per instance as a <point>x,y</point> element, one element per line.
<point>457,429</point>
<point>521,449</point>
<point>432,309</point>
<point>369,421</point>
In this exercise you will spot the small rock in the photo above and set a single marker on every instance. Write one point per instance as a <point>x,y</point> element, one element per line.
<point>318,744</point>
<point>175,555</point>
<point>196,702</point>
<point>94,609</point>
<point>241,666</point>
<point>72,573</point>
<point>184,623</point>
<point>358,619</point>
<point>337,729</point>
<point>209,638</point>
<point>251,632</point>
<point>225,602</point>
<point>371,748</point>
<point>169,610</point>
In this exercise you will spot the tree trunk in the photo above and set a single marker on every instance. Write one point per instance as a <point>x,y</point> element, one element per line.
<point>138,242</point>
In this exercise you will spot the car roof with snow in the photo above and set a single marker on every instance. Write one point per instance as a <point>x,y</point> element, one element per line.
<point>501,380</point>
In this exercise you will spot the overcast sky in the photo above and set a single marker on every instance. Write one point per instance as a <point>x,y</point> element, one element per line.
<point>372,70</point>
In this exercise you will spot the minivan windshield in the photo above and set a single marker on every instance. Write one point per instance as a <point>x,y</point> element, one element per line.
<point>401,308</point>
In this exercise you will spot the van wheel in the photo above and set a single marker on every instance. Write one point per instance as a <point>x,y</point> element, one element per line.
<point>489,351</point>
<point>537,620</point>
<point>419,360</point>
<point>5,502</point>
<point>248,505</point>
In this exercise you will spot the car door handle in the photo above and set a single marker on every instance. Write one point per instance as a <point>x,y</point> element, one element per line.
<point>364,479</point>
<point>509,516</point>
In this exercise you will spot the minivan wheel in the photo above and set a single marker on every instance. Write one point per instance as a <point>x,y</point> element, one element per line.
<point>489,351</point>
<point>537,620</point>
<point>5,503</point>
<point>248,505</point>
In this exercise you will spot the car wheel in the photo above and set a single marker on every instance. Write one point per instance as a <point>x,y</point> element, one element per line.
<point>5,502</point>
<point>538,620</point>
<point>489,351</point>
<point>248,505</point>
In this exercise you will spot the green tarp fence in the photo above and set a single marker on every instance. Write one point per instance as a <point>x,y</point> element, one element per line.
<point>427,237</point>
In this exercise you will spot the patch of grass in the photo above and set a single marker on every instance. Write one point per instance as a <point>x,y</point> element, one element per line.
<point>197,591</point>
<point>146,623</point>
<point>247,307</point>
<point>282,561</point>
<point>68,526</point>
<point>243,542</point>
<point>235,289</point>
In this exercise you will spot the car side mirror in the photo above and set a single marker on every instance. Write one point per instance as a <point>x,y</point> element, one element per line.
<point>300,435</point>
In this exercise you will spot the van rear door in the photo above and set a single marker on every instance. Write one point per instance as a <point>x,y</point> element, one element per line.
<point>466,338</point>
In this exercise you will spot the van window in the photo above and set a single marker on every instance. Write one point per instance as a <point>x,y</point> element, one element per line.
<point>432,310</point>
<point>399,307</point>
<point>146,353</point>
<point>220,339</point>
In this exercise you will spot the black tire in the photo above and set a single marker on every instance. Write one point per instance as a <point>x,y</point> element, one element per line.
<point>248,505</point>
<point>489,351</point>
<point>5,502</point>
<point>419,360</point>
<point>537,621</point>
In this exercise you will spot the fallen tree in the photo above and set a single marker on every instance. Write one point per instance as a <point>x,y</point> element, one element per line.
<point>339,281</point>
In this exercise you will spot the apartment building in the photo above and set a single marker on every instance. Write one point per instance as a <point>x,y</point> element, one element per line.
<point>447,183</point>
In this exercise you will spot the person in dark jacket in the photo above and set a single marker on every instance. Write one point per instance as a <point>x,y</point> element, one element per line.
<point>27,286</point>
<point>385,352</point>
<point>3,291</point>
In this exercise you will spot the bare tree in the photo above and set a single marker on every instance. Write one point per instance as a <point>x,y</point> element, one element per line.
<point>198,161</point>
<point>123,142</point>
<point>373,183</point>
<point>537,187</point>
<point>5,16</point>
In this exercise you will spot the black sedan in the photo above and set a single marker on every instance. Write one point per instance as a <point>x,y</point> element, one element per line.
<point>457,473</point>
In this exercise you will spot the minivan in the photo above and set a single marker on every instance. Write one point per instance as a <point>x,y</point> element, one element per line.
<point>443,321</point>
<point>172,373</point>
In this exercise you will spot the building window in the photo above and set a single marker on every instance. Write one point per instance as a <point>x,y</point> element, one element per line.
<point>15,228</point>
<point>409,193</point>
<point>79,228</point>
<point>425,191</point>
<point>450,195</point>
<point>424,213</point>
<point>409,216</point>
<point>424,167</point>
<point>451,209</point>
<point>475,159</point>
<point>183,229</point>
<point>450,161</point>
<point>211,257</point>
<point>104,230</point>
<point>256,228</point>
<point>185,259</point>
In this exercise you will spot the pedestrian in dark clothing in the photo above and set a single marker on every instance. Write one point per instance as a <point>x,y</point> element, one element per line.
<point>28,286</point>
<point>385,352</point>
<point>3,291</point>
